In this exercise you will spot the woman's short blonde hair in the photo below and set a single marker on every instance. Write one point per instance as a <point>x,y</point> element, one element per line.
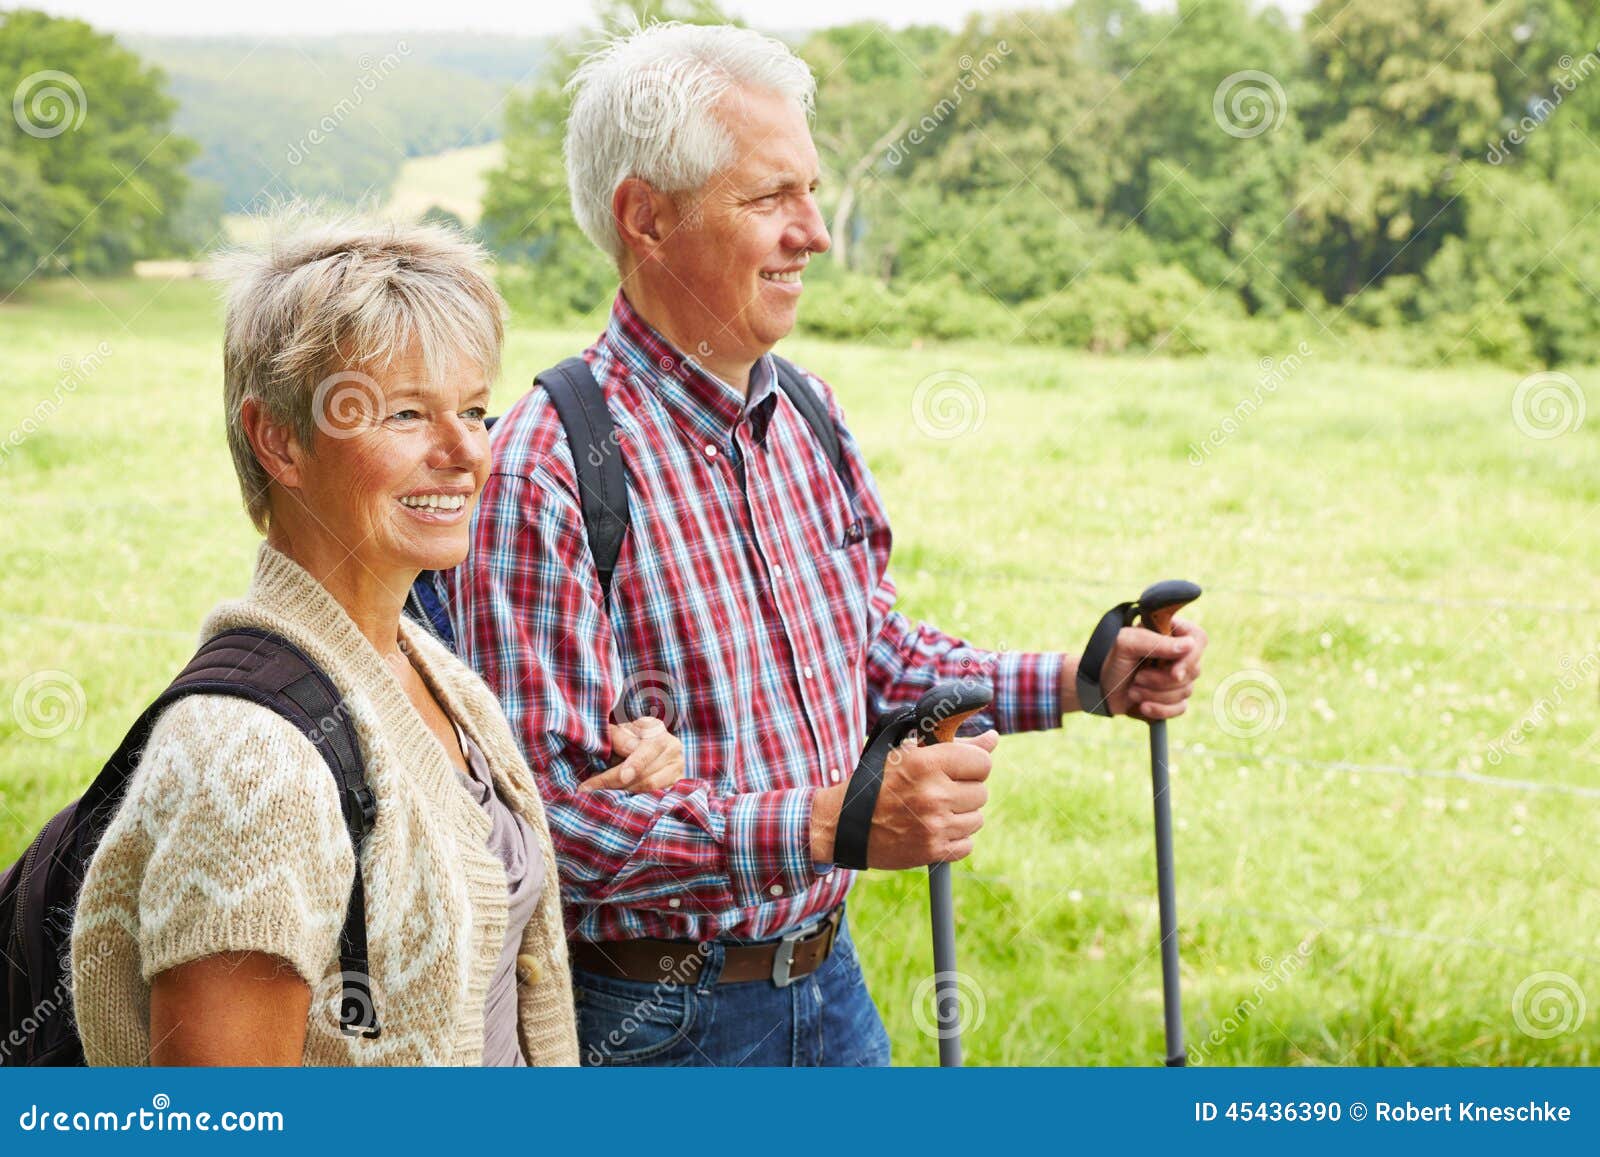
<point>345,296</point>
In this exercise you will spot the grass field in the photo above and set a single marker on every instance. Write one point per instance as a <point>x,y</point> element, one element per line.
<point>1399,578</point>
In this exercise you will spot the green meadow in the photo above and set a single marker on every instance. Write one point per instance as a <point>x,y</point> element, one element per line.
<point>1386,788</point>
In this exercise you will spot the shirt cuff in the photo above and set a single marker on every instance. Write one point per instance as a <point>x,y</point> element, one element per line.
<point>1027,691</point>
<point>769,845</point>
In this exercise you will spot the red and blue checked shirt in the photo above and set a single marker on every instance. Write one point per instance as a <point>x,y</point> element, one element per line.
<point>751,609</point>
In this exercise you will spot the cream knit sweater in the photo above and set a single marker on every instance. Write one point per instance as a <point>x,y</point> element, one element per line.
<point>231,839</point>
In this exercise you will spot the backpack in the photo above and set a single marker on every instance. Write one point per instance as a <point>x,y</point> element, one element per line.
<point>39,893</point>
<point>602,483</point>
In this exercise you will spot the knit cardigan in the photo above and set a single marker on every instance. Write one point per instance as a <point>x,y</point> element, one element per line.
<point>230,839</point>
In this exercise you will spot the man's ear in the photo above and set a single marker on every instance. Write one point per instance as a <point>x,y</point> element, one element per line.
<point>643,217</point>
<point>275,444</point>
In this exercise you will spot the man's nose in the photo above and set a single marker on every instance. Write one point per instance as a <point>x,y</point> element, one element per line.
<point>808,230</point>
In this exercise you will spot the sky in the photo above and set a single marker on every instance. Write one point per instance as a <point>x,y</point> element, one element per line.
<point>513,17</point>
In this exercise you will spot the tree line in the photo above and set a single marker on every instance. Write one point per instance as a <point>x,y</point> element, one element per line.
<point>1422,173</point>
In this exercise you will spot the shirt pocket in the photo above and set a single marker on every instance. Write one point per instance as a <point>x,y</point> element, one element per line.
<point>846,577</point>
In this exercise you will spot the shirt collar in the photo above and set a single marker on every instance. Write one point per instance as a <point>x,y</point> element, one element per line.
<point>709,405</point>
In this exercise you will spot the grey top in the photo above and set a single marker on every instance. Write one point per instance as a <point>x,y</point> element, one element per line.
<point>511,839</point>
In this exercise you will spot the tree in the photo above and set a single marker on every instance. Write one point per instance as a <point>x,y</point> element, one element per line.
<point>548,265</point>
<point>1213,145</point>
<point>1401,93</point>
<point>870,83</point>
<point>91,145</point>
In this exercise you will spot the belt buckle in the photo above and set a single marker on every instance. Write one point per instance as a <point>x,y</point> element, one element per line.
<point>783,959</point>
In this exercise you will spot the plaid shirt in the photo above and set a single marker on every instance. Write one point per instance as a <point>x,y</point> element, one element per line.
<point>751,609</point>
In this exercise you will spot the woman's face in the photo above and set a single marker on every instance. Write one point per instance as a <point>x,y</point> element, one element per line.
<point>398,463</point>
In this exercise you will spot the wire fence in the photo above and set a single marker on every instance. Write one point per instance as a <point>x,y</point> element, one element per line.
<point>1130,587</point>
<point>1198,750</point>
<point>1302,920</point>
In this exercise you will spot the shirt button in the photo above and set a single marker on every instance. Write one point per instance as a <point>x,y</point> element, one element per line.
<point>674,903</point>
<point>777,572</point>
<point>776,889</point>
<point>833,774</point>
<point>711,451</point>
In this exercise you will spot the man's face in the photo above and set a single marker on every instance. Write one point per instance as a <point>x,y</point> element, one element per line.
<point>733,257</point>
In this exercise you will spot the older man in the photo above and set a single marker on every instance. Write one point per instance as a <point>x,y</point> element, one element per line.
<point>750,602</point>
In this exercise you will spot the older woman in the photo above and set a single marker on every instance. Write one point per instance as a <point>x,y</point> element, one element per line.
<point>358,365</point>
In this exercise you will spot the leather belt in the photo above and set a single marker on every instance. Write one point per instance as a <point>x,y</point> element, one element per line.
<point>782,961</point>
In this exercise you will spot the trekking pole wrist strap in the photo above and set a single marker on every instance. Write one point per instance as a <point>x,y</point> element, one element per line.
<point>934,718</point>
<point>1091,696</point>
<point>861,791</point>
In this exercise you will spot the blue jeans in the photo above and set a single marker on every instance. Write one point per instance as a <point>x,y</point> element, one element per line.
<point>825,1018</point>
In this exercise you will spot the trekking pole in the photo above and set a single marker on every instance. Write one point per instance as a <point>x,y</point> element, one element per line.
<point>1155,609</point>
<point>934,719</point>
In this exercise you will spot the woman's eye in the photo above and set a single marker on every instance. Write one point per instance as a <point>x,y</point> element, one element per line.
<point>405,415</point>
<point>476,414</point>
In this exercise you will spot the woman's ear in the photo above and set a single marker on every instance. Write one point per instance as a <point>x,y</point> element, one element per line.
<point>274,443</point>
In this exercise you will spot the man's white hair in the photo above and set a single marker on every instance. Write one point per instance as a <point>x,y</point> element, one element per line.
<point>642,107</point>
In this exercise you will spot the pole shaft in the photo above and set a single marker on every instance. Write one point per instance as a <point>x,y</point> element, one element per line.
<point>946,996</point>
<point>1167,891</point>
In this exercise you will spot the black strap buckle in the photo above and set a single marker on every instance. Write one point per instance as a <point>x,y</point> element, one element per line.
<point>365,804</point>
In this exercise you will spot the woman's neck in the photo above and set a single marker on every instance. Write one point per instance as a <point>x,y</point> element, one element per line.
<point>373,600</point>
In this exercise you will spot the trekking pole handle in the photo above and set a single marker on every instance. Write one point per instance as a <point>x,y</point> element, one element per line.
<point>934,718</point>
<point>942,710</point>
<point>1161,602</point>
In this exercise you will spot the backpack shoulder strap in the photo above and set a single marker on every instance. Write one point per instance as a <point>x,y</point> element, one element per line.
<point>268,670</point>
<point>815,411</point>
<point>596,460</point>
